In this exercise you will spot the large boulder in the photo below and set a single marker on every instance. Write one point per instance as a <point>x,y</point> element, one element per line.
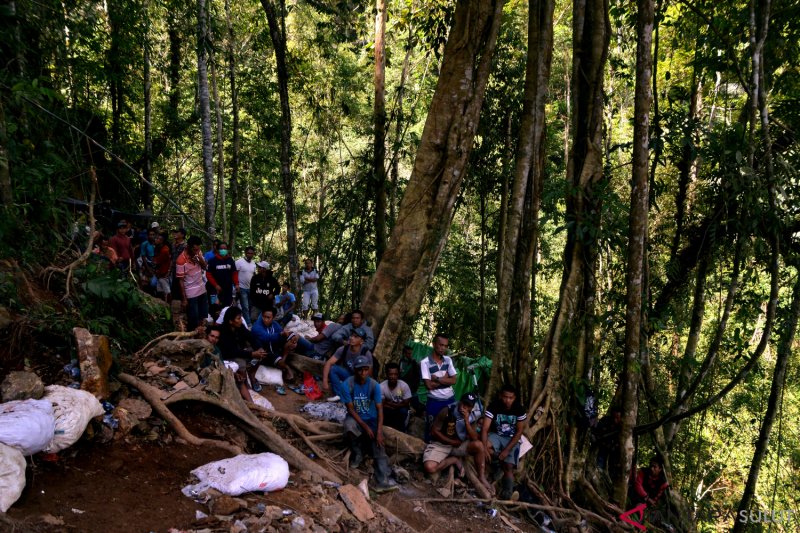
<point>21,386</point>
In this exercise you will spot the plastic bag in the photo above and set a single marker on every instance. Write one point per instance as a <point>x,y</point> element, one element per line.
<point>335,412</point>
<point>312,389</point>
<point>269,376</point>
<point>73,409</point>
<point>12,476</point>
<point>261,401</point>
<point>27,425</point>
<point>263,472</point>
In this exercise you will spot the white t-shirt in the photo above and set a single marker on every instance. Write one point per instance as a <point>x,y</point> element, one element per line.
<point>246,270</point>
<point>429,368</point>
<point>401,392</point>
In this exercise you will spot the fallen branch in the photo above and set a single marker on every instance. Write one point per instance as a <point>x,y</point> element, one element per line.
<point>167,336</point>
<point>48,272</point>
<point>153,397</point>
<point>314,448</point>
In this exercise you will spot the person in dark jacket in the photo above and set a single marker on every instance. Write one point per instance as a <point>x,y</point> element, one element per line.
<point>238,344</point>
<point>222,274</point>
<point>263,288</point>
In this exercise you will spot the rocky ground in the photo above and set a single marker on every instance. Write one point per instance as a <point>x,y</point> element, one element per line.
<point>130,479</point>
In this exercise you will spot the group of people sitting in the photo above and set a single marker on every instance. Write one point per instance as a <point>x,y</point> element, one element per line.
<point>454,429</point>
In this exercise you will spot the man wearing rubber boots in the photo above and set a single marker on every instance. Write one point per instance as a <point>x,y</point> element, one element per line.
<point>364,422</point>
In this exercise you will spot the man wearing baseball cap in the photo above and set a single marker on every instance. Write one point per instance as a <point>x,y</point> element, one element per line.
<point>323,345</point>
<point>363,424</point>
<point>340,365</point>
<point>263,288</point>
<point>453,437</point>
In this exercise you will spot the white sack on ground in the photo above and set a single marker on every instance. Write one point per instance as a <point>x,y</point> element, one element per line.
<point>304,328</point>
<point>73,409</point>
<point>261,401</point>
<point>263,472</point>
<point>12,476</point>
<point>27,425</point>
<point>269,376</point>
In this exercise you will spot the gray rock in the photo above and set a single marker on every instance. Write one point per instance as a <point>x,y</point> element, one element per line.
<point>21,386</point>
<point>330,514</point>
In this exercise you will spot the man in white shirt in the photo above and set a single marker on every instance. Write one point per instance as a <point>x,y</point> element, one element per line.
<point>439,375</point>
<point>309,277</point>
<point>396,398</point>
<point>246,268</point>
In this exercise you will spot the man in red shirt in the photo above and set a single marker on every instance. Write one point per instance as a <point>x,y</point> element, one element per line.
<point>121,244</point>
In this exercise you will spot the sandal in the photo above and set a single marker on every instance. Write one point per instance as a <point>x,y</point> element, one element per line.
<point>256,386</point>
<point>280,390</point>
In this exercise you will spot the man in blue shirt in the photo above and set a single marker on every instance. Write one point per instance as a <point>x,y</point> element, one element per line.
<point>364,422</point>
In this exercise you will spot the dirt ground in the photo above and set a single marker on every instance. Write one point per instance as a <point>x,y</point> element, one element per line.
<point>133,484</point>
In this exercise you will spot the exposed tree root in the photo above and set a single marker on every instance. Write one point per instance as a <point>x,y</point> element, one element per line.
<point>161,346</point>
<point>230,400</point>
<point>69,269</point>
<point>153,397</point>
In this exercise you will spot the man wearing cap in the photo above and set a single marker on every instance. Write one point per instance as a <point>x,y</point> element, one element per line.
<point>439,375</point>
<point>364,421</point>
<point>342,336</point>
<point>453,438</point>
<point>246,268</point>
<point>340,365</point>
<point>503,423</point>
<point>323,345</point>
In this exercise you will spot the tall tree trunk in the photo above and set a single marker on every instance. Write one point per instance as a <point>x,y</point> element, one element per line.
<point>220,150</point>
<point>205,119</point>
<point>234,179</point>
<point>277,33</point>
<point>637,244</point>
<point>175,41</point>
<point>115,71</point>
<point>147,188</point>
<point>573,320</point>
<point>379,143</point>
<point>778,382</point>
<point>402,278</point>
<point>512,331</point>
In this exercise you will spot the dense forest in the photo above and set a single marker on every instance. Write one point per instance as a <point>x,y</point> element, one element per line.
<point>600,196</point>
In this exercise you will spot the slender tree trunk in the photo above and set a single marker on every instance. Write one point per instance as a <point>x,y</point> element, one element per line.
<point>402,278</point>
<point>6,189</point>
<point>205,119</point>
<point>379,144</point>
<point>115,71</point>
<point>637,244</point>
<point>398,125</point>
<point>220,150</point>
<point>234,179</point>
<point>482,333</point>
<point>147,188</point>
<point>508,170</point>
<point>778,382</point>
<point>512,331</point>
<point>277,31</point>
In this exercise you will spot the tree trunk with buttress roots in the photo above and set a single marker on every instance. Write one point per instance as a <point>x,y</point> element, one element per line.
<point>401,280</point>
<point>573,321</point>
<point>512,332</point>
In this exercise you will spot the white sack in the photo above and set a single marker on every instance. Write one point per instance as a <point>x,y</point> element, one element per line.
<point>263,472</point>
<point>27,425</point>
<point>73,409</point>
<point>261,401</point>
<point>12,476</point>
<point>269,375</point>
